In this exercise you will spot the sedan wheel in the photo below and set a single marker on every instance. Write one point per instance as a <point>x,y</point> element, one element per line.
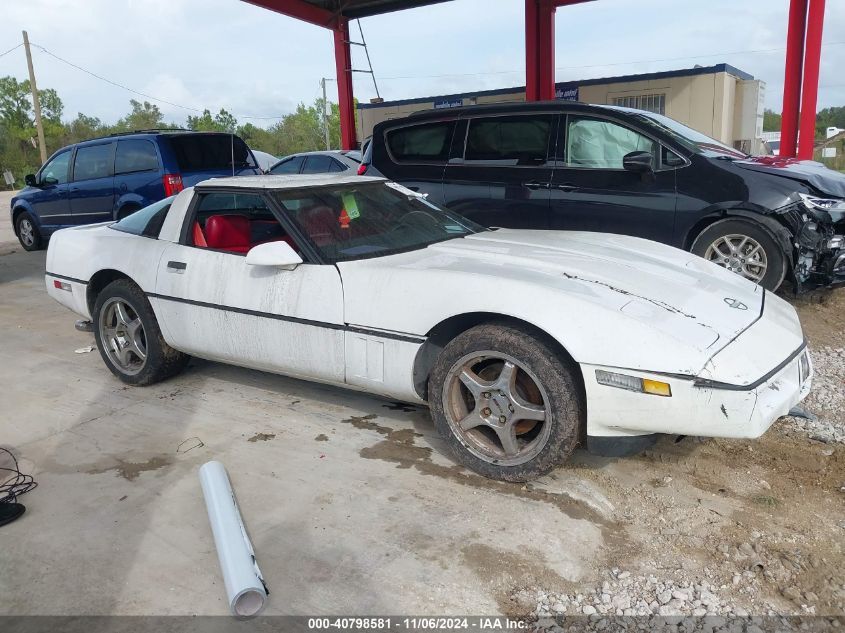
<point>740,254</point>
<point>497,408</point>
<point>123,336</point>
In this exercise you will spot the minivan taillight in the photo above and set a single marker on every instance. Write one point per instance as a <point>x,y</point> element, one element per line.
<point>172,184</point>
<point>362,169</point>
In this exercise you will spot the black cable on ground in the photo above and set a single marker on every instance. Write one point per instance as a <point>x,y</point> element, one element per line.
<point>14,484</point>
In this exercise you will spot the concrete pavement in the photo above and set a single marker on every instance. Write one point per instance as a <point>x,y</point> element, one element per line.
<point>351,503</point>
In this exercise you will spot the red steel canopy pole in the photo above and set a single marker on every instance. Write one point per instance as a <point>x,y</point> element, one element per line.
<point>810,89</point>
<point>346,102</point>
<point>539,50</point>
<point>792,77</point>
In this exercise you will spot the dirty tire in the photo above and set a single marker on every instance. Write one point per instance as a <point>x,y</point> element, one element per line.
<point>776,258</point>
<point>162,361</point>
<point>28,234</point>
<point>557,378</point>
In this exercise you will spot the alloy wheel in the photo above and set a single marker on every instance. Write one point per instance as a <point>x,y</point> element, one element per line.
<point>497,408</point>
<point>123,337</point>
<point>27,232</point>
<point>740,254</point>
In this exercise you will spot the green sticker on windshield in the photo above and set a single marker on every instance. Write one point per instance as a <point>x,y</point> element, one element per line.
<point>350,205</point>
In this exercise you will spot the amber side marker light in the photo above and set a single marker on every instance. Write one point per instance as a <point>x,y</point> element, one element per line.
<point>633,383</point>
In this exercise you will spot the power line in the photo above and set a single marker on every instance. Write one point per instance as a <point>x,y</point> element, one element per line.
<point>11,49</point>
<point>641,61</point>
<point>138,92</point>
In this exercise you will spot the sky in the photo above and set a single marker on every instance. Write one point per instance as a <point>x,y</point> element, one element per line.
<point>258,65</point>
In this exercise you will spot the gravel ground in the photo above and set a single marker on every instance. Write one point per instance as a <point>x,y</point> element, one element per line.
<point>827,398</point>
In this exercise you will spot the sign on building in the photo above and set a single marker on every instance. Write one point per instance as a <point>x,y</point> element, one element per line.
<point>567,94</point>
<point>828,152</point>
<point>448,103</point>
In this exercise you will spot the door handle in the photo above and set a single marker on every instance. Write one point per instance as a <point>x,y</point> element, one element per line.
<point>566,187</point>
<point>536,185</point>
<point>176,267</point>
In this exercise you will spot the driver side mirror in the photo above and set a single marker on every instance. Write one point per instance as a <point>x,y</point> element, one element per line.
<point>278,254</point>
<point>638,162</point>
<point>30,180</point>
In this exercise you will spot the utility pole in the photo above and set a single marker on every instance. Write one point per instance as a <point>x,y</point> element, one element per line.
<point>325,114</point>
<point>36,103</point>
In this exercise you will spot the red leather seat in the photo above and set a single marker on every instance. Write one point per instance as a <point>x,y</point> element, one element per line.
<point>228,233</point>
<point>321,224</point>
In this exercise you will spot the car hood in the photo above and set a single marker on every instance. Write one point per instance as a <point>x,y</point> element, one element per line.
<point>811,173</point>
<point>592,282</point>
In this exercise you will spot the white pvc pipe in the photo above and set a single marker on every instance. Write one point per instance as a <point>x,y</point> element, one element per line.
<point>245,587</point>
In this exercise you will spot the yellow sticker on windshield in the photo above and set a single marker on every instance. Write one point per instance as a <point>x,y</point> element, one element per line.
<point>350,205</point>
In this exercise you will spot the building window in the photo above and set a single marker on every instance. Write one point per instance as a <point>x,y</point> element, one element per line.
<point>649,103</point>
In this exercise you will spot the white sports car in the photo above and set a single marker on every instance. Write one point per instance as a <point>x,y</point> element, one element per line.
<point>522,343</point>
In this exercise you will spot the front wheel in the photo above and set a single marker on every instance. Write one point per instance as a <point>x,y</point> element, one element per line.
<point>507,404</point>
<point>129,338</point>
<point>744,247</point>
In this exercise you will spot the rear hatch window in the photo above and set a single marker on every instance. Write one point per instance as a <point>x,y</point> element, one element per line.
<point>211,153</point>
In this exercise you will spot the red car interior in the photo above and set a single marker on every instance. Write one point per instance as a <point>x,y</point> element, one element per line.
<point>234,233</point>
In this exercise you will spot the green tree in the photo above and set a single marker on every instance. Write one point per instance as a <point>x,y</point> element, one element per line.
<point>223,121</point>
<point>771,121</point>
<point>144,116</point>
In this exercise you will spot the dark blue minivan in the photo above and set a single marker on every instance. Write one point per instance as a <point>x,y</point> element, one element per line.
<point>108,178</point>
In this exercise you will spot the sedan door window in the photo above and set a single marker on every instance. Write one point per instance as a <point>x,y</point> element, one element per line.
<point>317,164</point>
<point>289,166</point>
<point>601,144</point>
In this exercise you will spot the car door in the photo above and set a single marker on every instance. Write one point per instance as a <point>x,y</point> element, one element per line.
<point>50,199</point>
<point>214,305</point>
<point>592,191</point>
<point>91,192</point>
<point>500,176</point>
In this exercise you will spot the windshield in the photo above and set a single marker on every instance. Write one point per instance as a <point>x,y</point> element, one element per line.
<point>356,221</point>
<point>686,136</point>
<point>146,221</point>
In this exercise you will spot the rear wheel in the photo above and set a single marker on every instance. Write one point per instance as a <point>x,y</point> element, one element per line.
<point>744,247</point>
<point>129,338</point>
<point>506,403</point>
<point>28,234</point>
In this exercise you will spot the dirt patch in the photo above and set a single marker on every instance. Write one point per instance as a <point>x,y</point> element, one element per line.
<point>262,437</point>
<point>322,437</point>
<point>822,316</point>
<point>131,470</point>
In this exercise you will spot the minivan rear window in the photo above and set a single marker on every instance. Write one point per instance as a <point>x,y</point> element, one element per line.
<point>426,142</point>
<point>211,152</point>
<point>135,155</point>
<point>520,138</point>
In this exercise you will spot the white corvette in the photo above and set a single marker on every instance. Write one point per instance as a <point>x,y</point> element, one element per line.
<point>522,343</point>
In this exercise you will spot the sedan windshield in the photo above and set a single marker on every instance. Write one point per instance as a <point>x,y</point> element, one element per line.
<point>686,136</point>
<point>355,221</point>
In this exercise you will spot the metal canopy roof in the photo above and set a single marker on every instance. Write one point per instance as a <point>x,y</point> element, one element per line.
<point>365,8</point>
<point>318,11</point>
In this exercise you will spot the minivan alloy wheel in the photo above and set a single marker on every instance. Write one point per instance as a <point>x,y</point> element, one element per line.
<point>497,408</point>
<point>26,232</point>
<point>123,336</point>
<point>740,254</point>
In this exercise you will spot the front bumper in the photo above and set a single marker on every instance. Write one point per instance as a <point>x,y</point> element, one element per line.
<point>696,407</point>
